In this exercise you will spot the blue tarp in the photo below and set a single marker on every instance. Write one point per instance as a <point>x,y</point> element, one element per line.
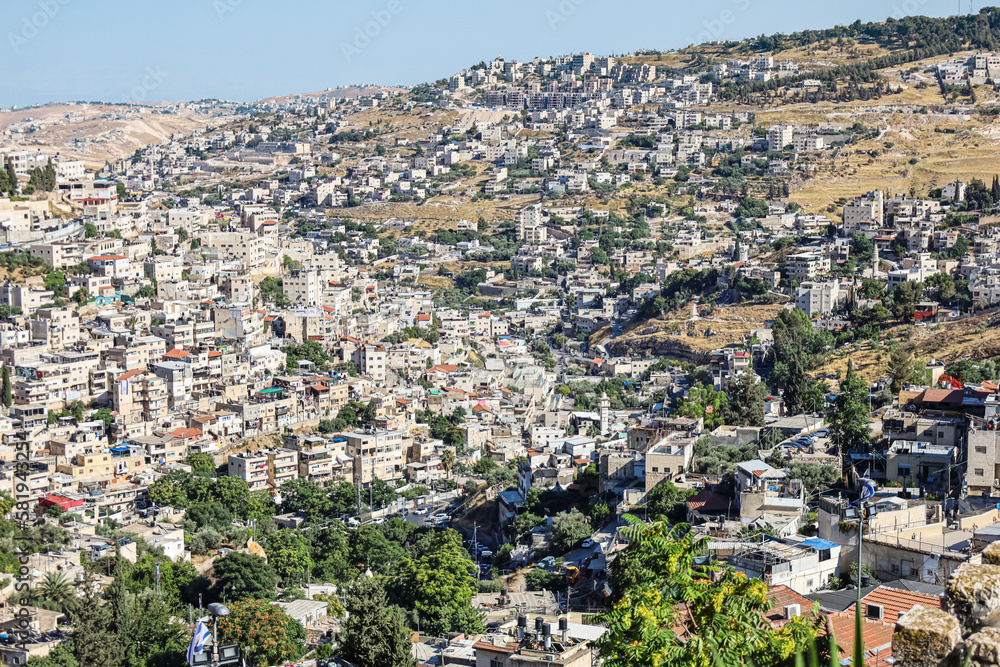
<point>817,544</point>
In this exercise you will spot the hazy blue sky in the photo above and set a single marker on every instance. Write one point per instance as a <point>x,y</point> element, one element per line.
<point>56,50</point>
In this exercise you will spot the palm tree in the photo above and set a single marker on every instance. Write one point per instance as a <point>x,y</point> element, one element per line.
<point>55,592</point>
<point>448,460</point>
<point>55,587</point>
<point>132,322</point>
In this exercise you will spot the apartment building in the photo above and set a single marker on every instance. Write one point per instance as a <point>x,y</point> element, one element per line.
<point>816,298</point>
<point>186,334</point>
<point>282,465</point>
<point>869,208</point>
<point>779,136</point>
<point>668,459</point>
<point>806,266</point>
<point>252,468</point>
<point>805,567</point>
<point>935,429</point>
<point>983,471</point>
<point>140,352</point>
<point>372,361</point>
<point>303,287</point>
<point>238,246</point>
<point>908,461</point>
<point>140,399</point>
<point>376,453</point>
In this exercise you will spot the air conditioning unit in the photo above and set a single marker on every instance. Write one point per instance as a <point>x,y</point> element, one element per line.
<point>791,611</point>
<point>875,611</point>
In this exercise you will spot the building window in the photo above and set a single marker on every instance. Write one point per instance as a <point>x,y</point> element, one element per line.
<point>496,663</point>
<point>980,449</point>
<point>978,472</point>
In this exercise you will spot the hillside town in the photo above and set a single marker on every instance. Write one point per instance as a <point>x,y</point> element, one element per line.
<point>494,326</point>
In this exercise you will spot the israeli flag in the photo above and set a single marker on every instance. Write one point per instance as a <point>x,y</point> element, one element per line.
<point>201,635</point>
<point>867,491</point>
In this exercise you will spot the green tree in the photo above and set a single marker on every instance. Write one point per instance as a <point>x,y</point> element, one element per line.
<point>665,499</point>
<point>849,426</point>
<point>816,477</point>
<point>147,631</point>
<point>905,297</point>
<point>244,576</point>
<point>289,553</point>
<point>569,529</point>
<point>901,367</point>
<point>439,587</point>
<point>745,406</point>
<point>168,491</point>
<point>55,282</point>
<point>872,288</point>
<point>704,402</point>
<point>94,643</point>
<point>862,248</point>
<point>6,391</point>
<point>305,495</point>
<point>719,623</point>
<point>201,463</point>
<point>232,492</point>
<point>60,656</point>
<point>382,494</point>
<point>265,633</point>
<point>525,521</point>
<point>373,635</point>
<point>90,231</point>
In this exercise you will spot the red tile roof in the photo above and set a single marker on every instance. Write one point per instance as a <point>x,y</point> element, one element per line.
<point>877,638</point>
<point>185,433</point>
<point>131,374</point>
<point>212,354</point>
<point>100,257</point>
<point>707,501</point>
<point>780,597</point>
<point>444,368</point>
<point>895,602</point>
<point>176,354</point>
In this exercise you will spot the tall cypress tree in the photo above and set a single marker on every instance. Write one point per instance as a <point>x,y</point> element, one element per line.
<point>11,177</point>
<point>374,635</point>
<point>6,398</point>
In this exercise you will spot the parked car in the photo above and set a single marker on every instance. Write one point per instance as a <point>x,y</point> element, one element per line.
<point>548,561</point>
<point>587,543</point>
